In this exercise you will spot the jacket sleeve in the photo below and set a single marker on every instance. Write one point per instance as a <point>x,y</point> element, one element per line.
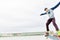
<point>55,6</point>
<point>43,13</point>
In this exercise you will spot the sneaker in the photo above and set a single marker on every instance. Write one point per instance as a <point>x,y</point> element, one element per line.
<point>58,33</point>
<point>46,34</point>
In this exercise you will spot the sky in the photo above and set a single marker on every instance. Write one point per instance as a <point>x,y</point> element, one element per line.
<point>24,15</point>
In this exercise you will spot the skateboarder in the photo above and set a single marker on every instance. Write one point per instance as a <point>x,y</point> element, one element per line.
<point>51,17</point>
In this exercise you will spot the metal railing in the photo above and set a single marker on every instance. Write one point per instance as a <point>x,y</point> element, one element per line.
<point>22,34</point>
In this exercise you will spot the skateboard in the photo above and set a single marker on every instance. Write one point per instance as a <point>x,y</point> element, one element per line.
<point>52,36</point>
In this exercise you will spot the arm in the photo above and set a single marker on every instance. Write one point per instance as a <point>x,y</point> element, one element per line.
<point>55,6</point>
<point>43,14</point>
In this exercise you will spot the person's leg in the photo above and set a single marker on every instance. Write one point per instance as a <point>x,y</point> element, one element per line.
<point>47,24</point>
<point>55,25</point>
